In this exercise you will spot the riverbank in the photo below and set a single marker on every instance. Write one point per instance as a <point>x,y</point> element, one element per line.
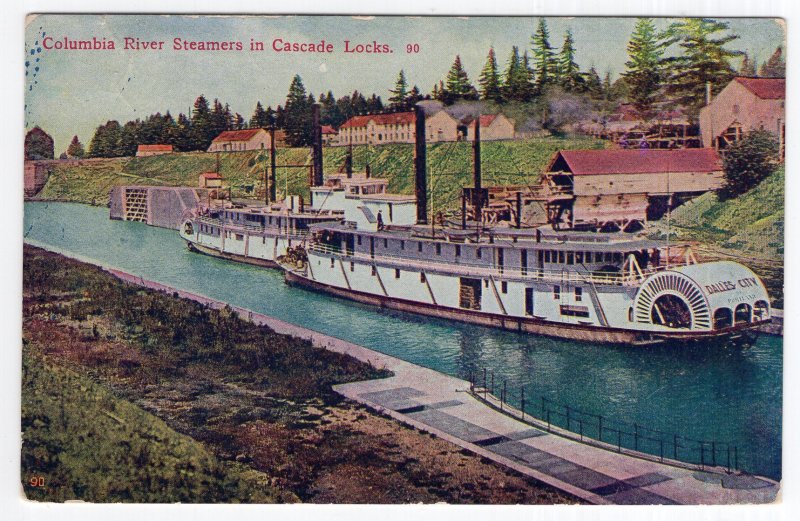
<point>248,395</point>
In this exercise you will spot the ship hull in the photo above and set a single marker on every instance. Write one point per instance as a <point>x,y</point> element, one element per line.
<point>530,325</point>
<point>213,252</point>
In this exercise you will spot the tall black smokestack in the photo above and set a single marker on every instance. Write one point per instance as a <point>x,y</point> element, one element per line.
<point>420,177</point>
<point>316,144</point>
<point>477,202</point>
<point>348,161</point>
<point>273,195</point>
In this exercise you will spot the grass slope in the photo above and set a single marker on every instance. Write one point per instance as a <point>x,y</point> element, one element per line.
<point>449,164</point>
<point>751,223</point>
<point>87,444</point>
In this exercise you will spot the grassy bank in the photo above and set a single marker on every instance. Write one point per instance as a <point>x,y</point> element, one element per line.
<point>450,166</point>
<point>748,228</point>
<point>82,442</point>
<point>258,403</point>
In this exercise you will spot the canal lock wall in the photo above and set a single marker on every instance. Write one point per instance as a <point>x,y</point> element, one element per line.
<point>161,206</point>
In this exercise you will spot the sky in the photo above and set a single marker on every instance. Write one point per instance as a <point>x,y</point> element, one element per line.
<point>71,92</point>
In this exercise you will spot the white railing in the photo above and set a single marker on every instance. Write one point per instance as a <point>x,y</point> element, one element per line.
<point>231,226</point>
<point>480,270</point>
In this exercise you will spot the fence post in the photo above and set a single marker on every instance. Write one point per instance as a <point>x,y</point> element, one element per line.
<point>661,443</point>
<point>600,427</point>
<point>636,437</point>
<point>729,459</point>
<point>713,453</point>
<point>567,407</point>
<point>580,426</point>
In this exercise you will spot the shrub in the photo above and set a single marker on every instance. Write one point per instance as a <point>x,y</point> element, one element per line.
<point>748,162</point>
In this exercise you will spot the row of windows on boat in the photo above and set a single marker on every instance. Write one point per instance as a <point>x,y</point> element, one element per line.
<point>545,256</point>
<point>262,220</point>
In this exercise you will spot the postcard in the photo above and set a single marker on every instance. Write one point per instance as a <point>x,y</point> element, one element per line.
<point>403,259</point>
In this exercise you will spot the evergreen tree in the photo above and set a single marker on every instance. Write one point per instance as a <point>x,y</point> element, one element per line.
<point>38,144</point>
<point>545,65</point>
<point>238,122</point>
<point>529,83</point>
<point>75,148</point>
<point>297,120</point>
<point>201,128</point>
<point>399,95</point>
<point>374,104</point>
<point>775,67</point>
<point>414,96</point>
<point>182,134</point>
<point>489,80</point>
<point>748,68</point>
<point>645,66</point>
<point>594,86</point>
<point>705,60</point>
<point>259,117</point>
<point>106,140</point>
<point>129,139</point>
<point>569,73</point>
<point>457,84</point>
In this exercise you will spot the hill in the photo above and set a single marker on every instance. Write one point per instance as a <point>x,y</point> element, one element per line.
<point>449,167</point>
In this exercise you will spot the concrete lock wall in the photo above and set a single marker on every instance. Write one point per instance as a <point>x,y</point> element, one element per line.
<point>165,206</point>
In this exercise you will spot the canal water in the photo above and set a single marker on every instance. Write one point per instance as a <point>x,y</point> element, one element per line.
<point>725,393</point>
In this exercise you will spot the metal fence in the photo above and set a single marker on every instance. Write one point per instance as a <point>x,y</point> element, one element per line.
<point>604,431</point>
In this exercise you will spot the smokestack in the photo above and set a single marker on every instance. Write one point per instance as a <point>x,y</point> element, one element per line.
<point>348,161</point>
<point>708,93</point>
<point>477,202</point>
<point>420,160</point>
<point>273,196</point>
<point>316,144</point>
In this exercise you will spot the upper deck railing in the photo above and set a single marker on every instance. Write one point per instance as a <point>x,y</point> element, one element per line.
<point>252,227</point>
<point>482,270</point>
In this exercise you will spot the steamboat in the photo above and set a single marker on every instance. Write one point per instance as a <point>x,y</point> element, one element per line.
<point>590,285</point>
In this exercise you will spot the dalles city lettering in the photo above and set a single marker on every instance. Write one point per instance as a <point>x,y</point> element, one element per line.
<point>727,285</point>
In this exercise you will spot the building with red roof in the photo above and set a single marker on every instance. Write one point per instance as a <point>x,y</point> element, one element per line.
<point>248,139</point>
<point>397,127</point>
<point>153,150</point>
<point>329,135</point>
<point>744,104</point>
<point>594,187</point>
<point>494,127</point>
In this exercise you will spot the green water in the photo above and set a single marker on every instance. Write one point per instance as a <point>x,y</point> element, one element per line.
<point>723,393</point>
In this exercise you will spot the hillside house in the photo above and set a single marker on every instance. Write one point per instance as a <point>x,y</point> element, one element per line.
<point>744,104</point>
<point>399,127</point>
<point>241,140</point>
<point>601,188</point>
<point>494,127</point>
<point>329,135</point>
<point>153,150</point>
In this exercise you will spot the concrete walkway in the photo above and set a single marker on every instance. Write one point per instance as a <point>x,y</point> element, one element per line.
<point>441,404</point>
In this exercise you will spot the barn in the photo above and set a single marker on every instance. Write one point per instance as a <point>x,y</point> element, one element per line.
<point>744,104</point>
<point>153,150</point>
<point>240,140</point>
<point>598,188</point>
<point>494,127</point>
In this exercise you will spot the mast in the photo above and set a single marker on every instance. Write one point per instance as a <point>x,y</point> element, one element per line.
<point>273,196</point>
